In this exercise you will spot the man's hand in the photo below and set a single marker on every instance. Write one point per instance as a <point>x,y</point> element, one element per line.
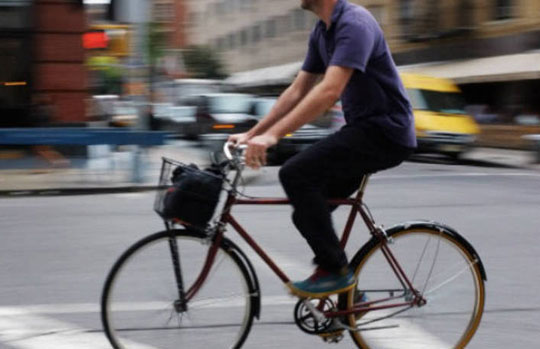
<point>238,138</point>
<point>256,150</point>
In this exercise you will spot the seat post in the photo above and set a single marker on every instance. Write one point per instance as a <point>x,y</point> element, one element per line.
<point>363,185</point>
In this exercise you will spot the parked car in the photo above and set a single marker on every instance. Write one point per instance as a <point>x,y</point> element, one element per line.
<point>218,115</point>
<point>123,114</point>
<point>296,141</point>
<point>180,120</point>
<point>101,107</point>
<point>442,125</point>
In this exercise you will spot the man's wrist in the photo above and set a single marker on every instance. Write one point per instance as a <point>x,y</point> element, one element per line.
<point>274,133</point>
<point>251,133</point>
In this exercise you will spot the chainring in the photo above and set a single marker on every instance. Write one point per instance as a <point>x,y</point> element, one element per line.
<point>307,322</point>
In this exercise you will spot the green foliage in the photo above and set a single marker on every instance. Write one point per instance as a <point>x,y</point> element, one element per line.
<point>204,62</point>
<point>155,42</point>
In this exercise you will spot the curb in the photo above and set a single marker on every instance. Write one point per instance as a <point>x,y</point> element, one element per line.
<point>74,191</point>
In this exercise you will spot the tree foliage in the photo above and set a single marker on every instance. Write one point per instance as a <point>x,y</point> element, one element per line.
<point>155,43</point>
<point>204,62</point>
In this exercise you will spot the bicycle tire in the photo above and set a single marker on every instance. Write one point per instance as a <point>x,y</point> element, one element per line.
<point>220,315</point>
<point>455,297</point>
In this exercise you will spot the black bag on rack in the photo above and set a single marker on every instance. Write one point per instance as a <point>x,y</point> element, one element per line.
<point>193,196</point>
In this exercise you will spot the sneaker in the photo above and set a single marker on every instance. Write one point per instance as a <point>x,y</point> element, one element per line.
<point>323,283</point>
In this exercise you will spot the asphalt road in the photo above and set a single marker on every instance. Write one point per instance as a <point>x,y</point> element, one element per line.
<point>55,252</point>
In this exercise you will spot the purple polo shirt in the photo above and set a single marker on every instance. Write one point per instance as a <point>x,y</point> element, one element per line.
<point>375,93</point>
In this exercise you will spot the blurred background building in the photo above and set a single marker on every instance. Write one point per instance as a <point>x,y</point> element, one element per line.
<point>42,62</point>
<point>489,47</point>
<point>59,52</point>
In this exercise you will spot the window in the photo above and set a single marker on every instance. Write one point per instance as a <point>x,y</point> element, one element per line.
<point>220,8</point>
<point>220,43</point>
<point>270,28</point>
<point>442,102</point>
<point>163,12</point>
<point>284,24</point>
<point>243,37</point>
<point>234,5</point>
<point>503,9</point>
<point>245,4</point>
<point>231,39</point>
<point>378,12</point>
<point>299,19</point>
<point>406,15</point>
<point>256,33</point>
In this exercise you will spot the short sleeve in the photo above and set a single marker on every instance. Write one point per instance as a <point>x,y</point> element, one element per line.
<point>354,45</point>
<point>313,62</point>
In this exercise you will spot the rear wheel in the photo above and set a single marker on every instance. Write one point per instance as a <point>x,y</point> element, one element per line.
<point>444,270</point>
<point>140,301</point>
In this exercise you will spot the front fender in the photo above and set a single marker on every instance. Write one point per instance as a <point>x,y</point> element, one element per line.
<point>253,281</point>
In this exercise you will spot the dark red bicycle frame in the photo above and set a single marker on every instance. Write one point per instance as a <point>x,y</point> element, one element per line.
<point>356,207</point>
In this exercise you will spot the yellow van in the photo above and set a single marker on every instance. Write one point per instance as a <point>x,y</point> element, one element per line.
<point>442,125</point>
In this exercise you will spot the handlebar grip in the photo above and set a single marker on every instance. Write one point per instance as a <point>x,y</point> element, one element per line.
<point>227,150</point>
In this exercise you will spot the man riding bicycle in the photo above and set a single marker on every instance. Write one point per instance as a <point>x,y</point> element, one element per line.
<point>348,50</point>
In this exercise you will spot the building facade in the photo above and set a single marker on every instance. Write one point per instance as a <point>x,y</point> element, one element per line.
<point>60,75</point>
<point>253,34</point>
<point>489,47</point>
<point>171,14</point>
<point>16,73</point>
<point>42,60</point>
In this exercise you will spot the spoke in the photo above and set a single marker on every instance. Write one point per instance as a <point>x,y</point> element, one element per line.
<point>228,301</point>
<point>450,279</point>
<point>420,260</point>
<point>432,265</point>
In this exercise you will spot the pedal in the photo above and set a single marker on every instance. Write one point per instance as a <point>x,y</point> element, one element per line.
<point>334,333</point>
<point>334,337</point>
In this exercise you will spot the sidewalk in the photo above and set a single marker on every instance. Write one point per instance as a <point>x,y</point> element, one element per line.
<point>111,172</point>
<point>106,171</point>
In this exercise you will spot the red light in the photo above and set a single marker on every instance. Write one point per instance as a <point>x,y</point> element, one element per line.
<point>95,39</point>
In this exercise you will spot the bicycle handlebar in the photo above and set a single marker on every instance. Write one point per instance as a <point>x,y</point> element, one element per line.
<point>237,155</point>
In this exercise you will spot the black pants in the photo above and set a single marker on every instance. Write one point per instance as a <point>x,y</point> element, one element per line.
<point>333,168</point>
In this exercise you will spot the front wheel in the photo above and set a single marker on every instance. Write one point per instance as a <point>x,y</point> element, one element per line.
<point>141,303</point>
<point>442,267</point>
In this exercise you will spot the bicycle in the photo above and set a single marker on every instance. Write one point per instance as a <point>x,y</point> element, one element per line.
<point>420,284</point>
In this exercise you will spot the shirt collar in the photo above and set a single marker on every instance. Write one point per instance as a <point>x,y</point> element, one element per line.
<point>336,13</point>
<point>338,10</point>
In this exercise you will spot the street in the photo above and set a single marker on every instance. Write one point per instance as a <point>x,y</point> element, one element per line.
<point>56,252</point>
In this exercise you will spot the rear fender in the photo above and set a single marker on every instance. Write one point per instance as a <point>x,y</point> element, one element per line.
<point>442,228</point>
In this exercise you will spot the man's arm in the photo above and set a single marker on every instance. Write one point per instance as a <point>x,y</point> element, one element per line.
<point>300,87</point>
<point>319,99</point>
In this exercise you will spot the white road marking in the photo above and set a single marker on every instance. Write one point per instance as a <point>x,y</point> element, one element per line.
<point>450,175</point>
<point>402,337</point>
<point>29,331</point>
<point>291,267</point>
<point>82,308</point>
<point>132,195</point>
<point>27,328</point>
<point>406,335</point>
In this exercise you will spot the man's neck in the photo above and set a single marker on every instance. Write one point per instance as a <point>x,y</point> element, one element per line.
<point>324,11</point>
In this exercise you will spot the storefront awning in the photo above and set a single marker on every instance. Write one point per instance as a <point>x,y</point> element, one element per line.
<point>270,76</point>
<point>522,66</point>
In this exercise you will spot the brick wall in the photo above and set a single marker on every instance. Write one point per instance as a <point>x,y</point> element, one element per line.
<point>59,58</point>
